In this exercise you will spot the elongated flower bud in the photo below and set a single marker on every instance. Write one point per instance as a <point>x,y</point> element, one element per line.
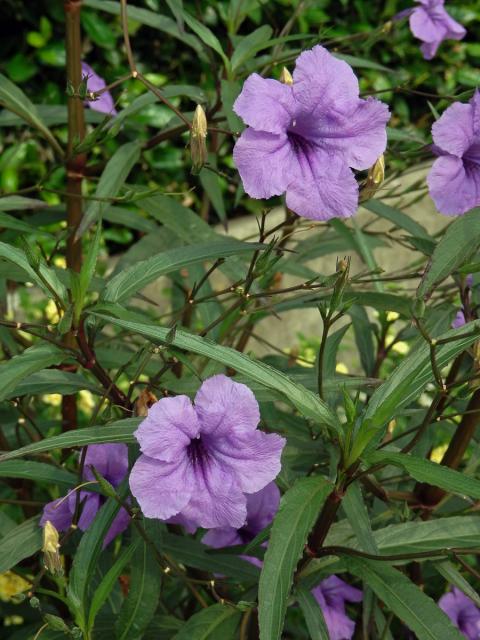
<point>51,546</point>
<point>376,176</point>
<point>286,76</point>
<point>198,135</point>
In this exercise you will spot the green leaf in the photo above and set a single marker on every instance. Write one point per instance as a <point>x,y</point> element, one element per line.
<point>13,99</point>
<point>424,470</point>
<point>143,595</point>
<point>151,19</point>
<point>206,36</point>
<point>304,400</point>
<point>398,218</point>
<point>37,471</point>
<point>313,615</point>
<point>362,63</point>
<point>108,581</point>
<point>111,181</point>
<point>88,267</point>
<point>86,558</point>
<point>19,543</point>
<point>120,431</point>
<point>405,600</point>
<point>47,280</point>
<point>20,203</point>
<point>247,47</point>
<point>298,512</point>
<point>211,184</point>
<point>137,276</point>
<point>9,222</point>
<point>53,381</point>
<point>31,360</point>
<point>407,381</point>
<point>456,247</point>
<point>197,555</point>
<point>218,622</point>
<point>357,516</point>
<point>230,90</point>
<point>453,576</point>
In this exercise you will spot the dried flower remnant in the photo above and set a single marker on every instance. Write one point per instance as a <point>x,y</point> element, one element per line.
<point>454,180</point>
<point>200,461</point>
<point>304,139</point>
<point>50,548</point>
<point>375,177</point>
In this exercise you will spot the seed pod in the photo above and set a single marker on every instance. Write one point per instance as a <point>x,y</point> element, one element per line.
<point>198,135</point>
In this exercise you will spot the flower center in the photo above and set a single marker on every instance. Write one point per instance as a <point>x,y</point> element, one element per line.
<point>197,452</point>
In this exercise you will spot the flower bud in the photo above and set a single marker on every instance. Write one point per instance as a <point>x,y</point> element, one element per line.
<point>51,545</point>
<point>376,176</point>
<point>198,135</point>
<point>286,76</point>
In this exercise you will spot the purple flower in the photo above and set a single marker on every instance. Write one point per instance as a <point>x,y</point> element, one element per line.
<point>304,138</point>
<point>459,320</point>
<point>454,180</point>
<point>104,103</point>
<point>200,460</point>
<point>462,612</point>
<point>331,594</point>
<point>111,462</point>
<point>261,509</point>
<point>431,24</point>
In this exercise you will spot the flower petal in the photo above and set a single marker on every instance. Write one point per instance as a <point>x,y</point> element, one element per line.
<point>226,407</point>
<point>216,498</point>
<point>167,430</point>
<point>358,137</point>
<point>336,591</point>
<point>222,537</point>
<point>110,460</point>
<point>320,80</point>
<point>265,104</point>
<point>254,458</point>
<point>90,506</point>
<point>59,513</point>
<point>455,30</point>
<point>263,161</point>
<point>424,27</point>
<point>119,524</point>
<point>453,131</point>
<point>104,104</point>
<point>323,188</point>
<point>161,488</point>
<point>262,507</point>
<point>454,185</point>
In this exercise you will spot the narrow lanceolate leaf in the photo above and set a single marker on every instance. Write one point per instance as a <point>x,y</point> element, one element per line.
<point>298,512</point>
<point>85,561</point>
<point>20,203</point>
<point>137,276</point>
<point>453,576</point>
<point>313,615</point>
<point>10,222</point>
<point>19,543</point>
<point>110,183</point>
<point>399,219</point>
<point>120,431</point>
<point>19,367</point>
<point>408,380</point>
<point>37,471</point>
<point>405,600</point>
<point>46,279</point>
<point>53,381</point>
<point>304,400</point>
<point>247,47</point>
<point>108,581</point>
<point>455,248</point>
<point>143,595</point>
<point>357,516</point>
<point>424,470</point>
<point>207,36</point>
<point>218,622</point>
<point>14,100</point>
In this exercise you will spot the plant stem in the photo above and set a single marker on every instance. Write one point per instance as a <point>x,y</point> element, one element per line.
<point>75,167</point>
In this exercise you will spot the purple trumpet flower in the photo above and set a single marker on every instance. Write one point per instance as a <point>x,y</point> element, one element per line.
<point>104,103</point>
<point>462,612</point>
<point>332,594</point>
<point>305,138</point>
<point>199,461</point>
<point>454,180</point>
<point>111,462</point>
<point>430,23</point>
